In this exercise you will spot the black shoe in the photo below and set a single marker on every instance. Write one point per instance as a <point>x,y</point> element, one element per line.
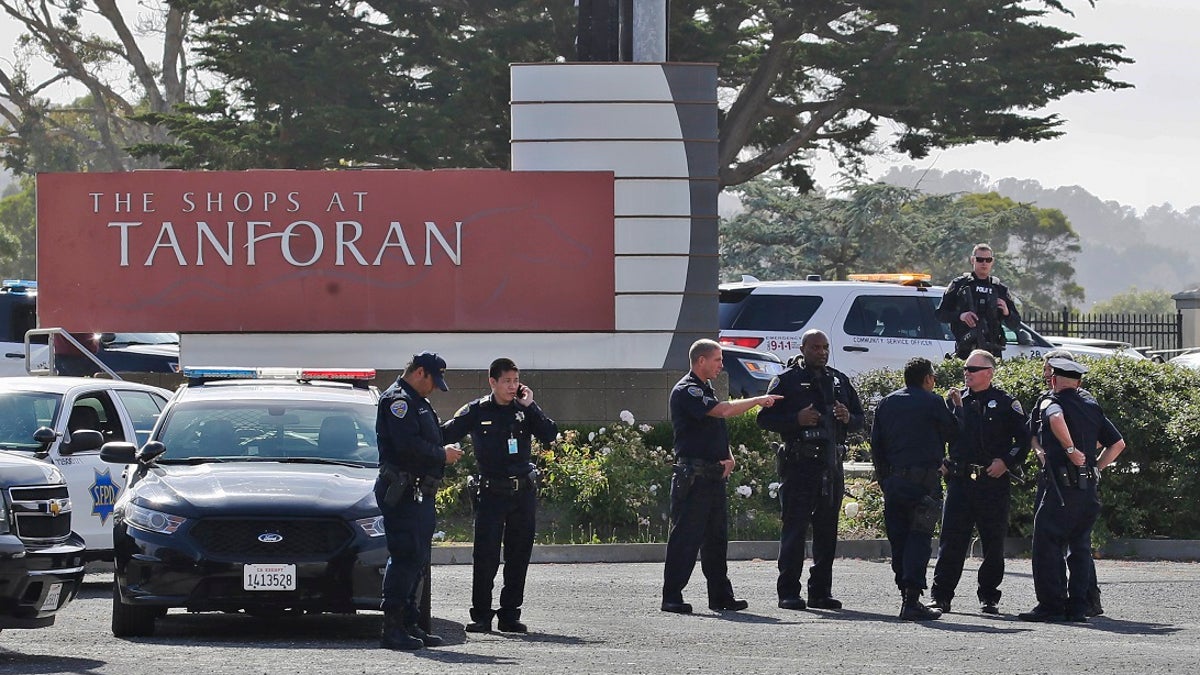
<point>728,605</point>
<point>826,602</point>
<point>1076,617</point>
<point>511,626</point>
<point>394,635</point>
<point>1041,615</point>
<point>677,607</point>
<point>989,608</point>
<point>425,638</point>
<point>941,604</point>
<point>1094,608</point>
<point>792,603</point>
<point>479,626</point>
<point>914,610</point>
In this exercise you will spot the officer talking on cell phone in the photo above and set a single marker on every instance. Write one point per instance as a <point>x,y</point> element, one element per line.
<point>502,425</point>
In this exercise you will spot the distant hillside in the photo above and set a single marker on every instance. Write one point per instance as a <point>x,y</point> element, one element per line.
<point>1153,250</point>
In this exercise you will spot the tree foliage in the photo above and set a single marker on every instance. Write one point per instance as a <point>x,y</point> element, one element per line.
<point>784,234</point>
<point>1134,301</point>
<point>414,83</point>
<point>95,48</point>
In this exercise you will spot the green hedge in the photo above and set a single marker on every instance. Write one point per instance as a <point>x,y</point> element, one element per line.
<point>612,483</point>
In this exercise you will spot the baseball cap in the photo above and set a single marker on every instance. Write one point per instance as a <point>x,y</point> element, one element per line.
<point>1064,367</point>
<point>434,365</point>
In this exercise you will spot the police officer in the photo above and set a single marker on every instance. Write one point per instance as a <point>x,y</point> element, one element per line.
<point>502,425</point>
<point>993,440</point>
<point>819,407</point>
<point>412,460</point>
<point>1072,428</point>
<point>703,462</point>
<point>908,443</point>
<point>1094,606</point>
<point>975,304</point>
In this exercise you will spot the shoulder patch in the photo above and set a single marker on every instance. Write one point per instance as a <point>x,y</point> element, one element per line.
<point>1016,406</point>
<point>1046,403</point>
<point>696,391</point>
<point>399,408</point>
<point>463,410</point>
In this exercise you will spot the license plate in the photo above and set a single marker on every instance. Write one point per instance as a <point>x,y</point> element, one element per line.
<point>269,577</point>
<point>52,596</point>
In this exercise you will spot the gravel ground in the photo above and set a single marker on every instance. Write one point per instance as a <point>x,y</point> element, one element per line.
<point>604,618</point>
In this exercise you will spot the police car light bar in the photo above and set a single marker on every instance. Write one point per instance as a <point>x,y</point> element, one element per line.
<point>903,278</point>
<point>359,377</point>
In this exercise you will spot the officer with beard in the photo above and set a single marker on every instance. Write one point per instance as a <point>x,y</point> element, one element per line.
<point>819,407</point>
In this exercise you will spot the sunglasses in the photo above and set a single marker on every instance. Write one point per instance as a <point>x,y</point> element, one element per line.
<point>984,259</point>
<point>976,369</point>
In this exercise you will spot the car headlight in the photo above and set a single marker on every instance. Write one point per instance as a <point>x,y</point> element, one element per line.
<point>3,517</point>
<point>761,370</point>
<point>372,526</point>
<point>151,520</point>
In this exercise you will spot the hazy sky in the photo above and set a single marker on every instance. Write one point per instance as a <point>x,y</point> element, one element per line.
<point>1140,146</point>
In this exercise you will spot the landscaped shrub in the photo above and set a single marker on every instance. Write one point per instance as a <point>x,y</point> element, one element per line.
<point>612,483</point>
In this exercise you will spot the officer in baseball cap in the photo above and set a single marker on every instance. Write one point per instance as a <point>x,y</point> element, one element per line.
<point>435,367</point>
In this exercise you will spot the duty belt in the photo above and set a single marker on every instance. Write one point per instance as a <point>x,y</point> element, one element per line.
<point>508,484</point>
<point>704,468</point>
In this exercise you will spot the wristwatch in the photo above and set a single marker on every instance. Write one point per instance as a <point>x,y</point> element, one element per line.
<point>1071,450</point>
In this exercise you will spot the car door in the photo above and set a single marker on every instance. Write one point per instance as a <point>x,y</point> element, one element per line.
<point>884,329</point>
<point>93,485</point>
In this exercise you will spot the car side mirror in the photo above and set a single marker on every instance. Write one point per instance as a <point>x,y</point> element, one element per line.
<point>119,452</point>
<point>1024,338</point>
<point>150,451</point>
<point>82,441</point>
<point>44,435</point>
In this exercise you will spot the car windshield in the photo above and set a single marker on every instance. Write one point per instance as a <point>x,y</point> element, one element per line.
<point>270,430</point>
<point>21,413</point>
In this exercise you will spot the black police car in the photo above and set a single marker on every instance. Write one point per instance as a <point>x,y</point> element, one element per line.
<point>253,494</point>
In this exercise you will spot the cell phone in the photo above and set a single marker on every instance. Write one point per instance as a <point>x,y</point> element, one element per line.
<point>521,389</point>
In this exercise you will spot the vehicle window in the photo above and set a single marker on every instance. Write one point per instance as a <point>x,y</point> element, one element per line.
<point>276,429</point>
<point>96,411</point>
<point>934,328</point>
<point>886,316</point>
<point>766,312</point>
<point>21,413</point>
<point>143,408</point>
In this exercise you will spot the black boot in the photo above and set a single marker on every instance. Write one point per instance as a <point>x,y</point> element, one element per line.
<point>914,610</point>
<point>425,638</point>
<point>394,635</point>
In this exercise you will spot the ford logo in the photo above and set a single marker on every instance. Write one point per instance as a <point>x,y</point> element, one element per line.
<point>270,538</point>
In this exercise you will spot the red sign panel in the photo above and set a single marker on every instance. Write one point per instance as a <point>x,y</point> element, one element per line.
<point>319,251</point>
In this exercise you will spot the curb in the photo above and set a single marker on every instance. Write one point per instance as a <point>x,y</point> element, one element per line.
<point>1176,550</point>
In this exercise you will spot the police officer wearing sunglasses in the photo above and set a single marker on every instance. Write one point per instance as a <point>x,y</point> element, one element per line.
<point>976,304</point>
<point>993,440</point>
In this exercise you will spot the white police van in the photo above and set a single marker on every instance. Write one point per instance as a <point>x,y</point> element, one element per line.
<point>873,321</point>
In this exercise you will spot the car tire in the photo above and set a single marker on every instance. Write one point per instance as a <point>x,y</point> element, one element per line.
<point>131,621</point>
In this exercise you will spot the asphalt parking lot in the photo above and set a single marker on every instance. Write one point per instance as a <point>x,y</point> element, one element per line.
<point>604,618</point>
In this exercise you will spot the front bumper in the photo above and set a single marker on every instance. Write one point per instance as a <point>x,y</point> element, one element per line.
<point>35,583</point>
<point>155,570</point>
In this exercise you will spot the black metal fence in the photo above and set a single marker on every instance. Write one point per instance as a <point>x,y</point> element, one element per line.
<point>1144,331</point>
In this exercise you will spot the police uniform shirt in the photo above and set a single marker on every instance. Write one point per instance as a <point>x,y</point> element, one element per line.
<point>1085,420</point>
<point>1035,414</point>
<point>911,429</point>
<point>801,387</point>
<point>409,432</point>
<point>993,427</point>
<point>492,426</point>
<point>697,435</point>
<point>955,301</point>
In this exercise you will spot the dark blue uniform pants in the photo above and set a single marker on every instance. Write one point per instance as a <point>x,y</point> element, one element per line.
<point>699,524</point>
<point>806,496</point>
<point>409,526</point>
<point>982,503</point>
<point>1059,528</point>
<point>508,519</point>
<point>911,549</point>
